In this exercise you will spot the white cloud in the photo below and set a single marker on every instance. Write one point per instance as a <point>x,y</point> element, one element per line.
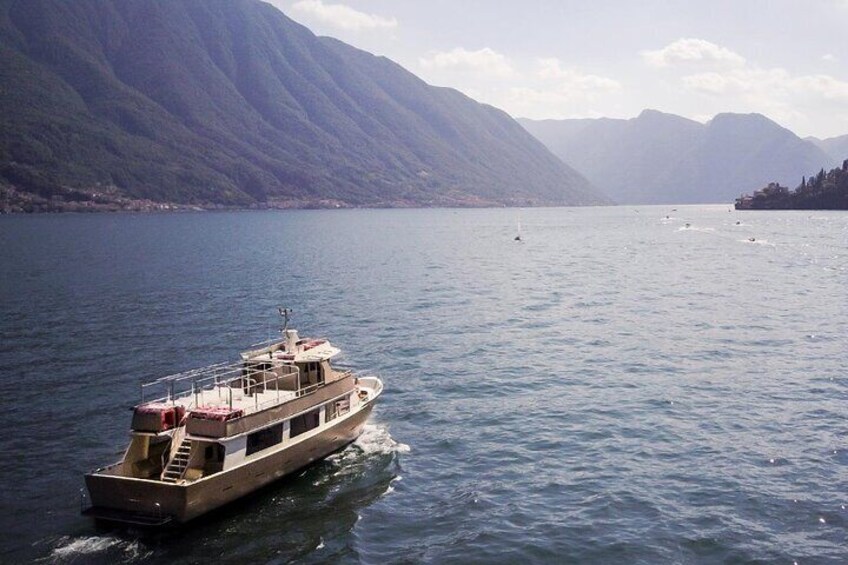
<point>825,86</point>
<point>707,83</point>
<point>534,88</point>
<point>537,103</point>
<point>769,83</point>
<point>561,102</point>
<point>551,69</point>
<point>787,98</point>
<point>485,62</point>
<point>829,57</point>
<point>342,17</point>
<point>688,51</point>
<point>725,82</point>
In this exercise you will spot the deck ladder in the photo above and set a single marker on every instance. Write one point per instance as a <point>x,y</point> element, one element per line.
<point>177,466</point>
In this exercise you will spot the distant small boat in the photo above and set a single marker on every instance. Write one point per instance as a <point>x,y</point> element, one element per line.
<point>688,225</point>
<point>738,223</point>
<point>518,237</point>
<point>752,239</point>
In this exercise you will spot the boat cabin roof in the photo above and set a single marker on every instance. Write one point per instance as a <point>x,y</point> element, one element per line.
<point>305,352</point>
<point>294,349</point>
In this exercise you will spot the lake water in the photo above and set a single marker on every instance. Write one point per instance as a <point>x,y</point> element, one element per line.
<point>614,388</point>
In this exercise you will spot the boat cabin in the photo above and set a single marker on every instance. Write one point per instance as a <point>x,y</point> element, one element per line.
<point>218,417</point>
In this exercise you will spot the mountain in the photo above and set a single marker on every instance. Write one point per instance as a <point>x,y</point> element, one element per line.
<point>835,147</point>
<point>659,158</point>
<point>230,102</point>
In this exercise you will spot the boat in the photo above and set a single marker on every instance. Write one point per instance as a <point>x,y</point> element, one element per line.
<point>206,437</point>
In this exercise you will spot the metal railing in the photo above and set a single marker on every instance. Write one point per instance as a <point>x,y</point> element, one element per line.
<point>221,384</point>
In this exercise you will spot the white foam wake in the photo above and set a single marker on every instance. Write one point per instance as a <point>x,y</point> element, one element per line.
<point>391,487</point>
<point>375,439</point>
<point>693,228</point>
<point>83,546</point>
<point>69,549</point>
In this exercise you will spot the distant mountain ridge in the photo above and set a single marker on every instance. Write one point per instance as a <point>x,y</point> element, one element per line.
<point>659,158</point>
<point>230,102</point>
<point>835,147</point>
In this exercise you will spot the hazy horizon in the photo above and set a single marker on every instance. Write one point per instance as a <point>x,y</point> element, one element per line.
<point>556,60</point>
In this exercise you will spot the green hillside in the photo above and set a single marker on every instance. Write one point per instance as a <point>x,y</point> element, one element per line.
<point>229,102</point>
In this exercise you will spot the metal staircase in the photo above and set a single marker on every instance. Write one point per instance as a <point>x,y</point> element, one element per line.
<point>178,464</point>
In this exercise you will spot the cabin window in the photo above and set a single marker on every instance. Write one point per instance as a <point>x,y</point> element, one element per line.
<point>336,408</point>
<point>264,438</point>
<point>305,422</point>
<point>310,374</point>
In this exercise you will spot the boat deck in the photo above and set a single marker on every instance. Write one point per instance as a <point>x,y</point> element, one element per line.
<point>234,398</point>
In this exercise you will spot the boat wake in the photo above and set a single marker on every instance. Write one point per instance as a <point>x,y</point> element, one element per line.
<point>753,241</point>
<point>391,488</point>
<point>70,549</point>
<point>688,227</point>
<point>374,444</point>
<point>375,439</point>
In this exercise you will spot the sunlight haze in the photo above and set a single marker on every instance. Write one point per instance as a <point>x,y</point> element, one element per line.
<point>547,59</point>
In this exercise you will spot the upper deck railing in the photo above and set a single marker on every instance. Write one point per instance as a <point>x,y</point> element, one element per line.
<point>251,385</point>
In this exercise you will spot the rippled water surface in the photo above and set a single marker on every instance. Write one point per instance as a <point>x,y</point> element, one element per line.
<point>616,387</point>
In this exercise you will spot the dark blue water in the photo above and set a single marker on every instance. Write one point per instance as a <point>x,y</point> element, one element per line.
<point>615,388</point>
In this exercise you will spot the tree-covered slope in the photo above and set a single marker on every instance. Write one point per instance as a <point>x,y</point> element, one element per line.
<point>823,191</point>
<point>230,102</point>
<point>660,158</point>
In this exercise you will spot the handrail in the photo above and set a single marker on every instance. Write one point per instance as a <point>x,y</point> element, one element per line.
<point>214,376</point>
<point>254,378</point>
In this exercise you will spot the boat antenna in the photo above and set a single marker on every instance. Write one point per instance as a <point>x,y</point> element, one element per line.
<point>285,313</point>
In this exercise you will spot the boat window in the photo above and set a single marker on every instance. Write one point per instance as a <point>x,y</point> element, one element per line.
<point>311,373</point>
<point>305,422</point>
<point>336,408</point>
<point>264,438</point>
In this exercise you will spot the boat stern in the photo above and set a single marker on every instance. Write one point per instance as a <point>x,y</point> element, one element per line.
<point>134,501</point>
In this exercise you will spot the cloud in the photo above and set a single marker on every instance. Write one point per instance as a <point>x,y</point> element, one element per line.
<point>717,78</point>
<point>484,62</point>
<point>829,57</point>
<point>824,86</point>
<point>546,103</point>
<point>788,98</point>
<point>688,51</point>
<point>551,69</point>
<point>533,88</point>
<point>771,83</point>
<point>342,17</point>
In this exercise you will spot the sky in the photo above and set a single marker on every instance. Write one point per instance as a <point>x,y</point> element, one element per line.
<point>554,59</point>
